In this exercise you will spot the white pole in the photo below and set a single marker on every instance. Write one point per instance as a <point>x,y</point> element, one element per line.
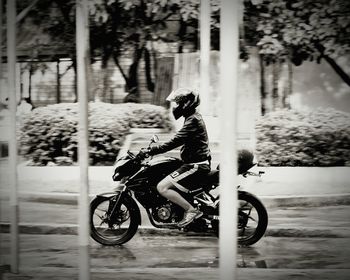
<point>1,241</point>
<point>228,157</point>
<point>83,143</point>
<point>205,56</point>
<point>1,18</point>
<point>11,64</point>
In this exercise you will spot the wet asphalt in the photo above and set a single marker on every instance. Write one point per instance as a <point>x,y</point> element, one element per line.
<point>41,254</point>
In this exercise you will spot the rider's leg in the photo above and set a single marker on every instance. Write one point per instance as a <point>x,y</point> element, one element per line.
<point>164,188</point>
<point>184,175</point>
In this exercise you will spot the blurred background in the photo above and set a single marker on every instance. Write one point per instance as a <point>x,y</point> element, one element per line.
<point>294,77</point>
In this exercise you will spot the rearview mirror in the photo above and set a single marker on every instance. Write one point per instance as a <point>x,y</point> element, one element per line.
<point>154,139</point>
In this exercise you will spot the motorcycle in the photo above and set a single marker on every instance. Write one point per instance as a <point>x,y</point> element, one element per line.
<point>115,216</point>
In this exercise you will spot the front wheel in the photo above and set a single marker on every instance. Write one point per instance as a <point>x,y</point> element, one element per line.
<point>121,228</point>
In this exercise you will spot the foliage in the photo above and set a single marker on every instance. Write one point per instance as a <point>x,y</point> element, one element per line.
<point>48,28</point>
<point>129,27</point>
<point>304,138</point>
<point>49,134</point>
<point>303,30</point>
<point>118,29</point>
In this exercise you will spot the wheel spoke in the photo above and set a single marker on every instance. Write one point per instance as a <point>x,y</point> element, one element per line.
<point>251,218</point>
<point>112,233</point>
<point>243,231</point>
<point>100,216</point>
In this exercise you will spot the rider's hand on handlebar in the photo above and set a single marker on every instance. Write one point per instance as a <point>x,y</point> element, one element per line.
<point>144,153</point>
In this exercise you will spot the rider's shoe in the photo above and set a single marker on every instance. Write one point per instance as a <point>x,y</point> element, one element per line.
<point>189,216</point>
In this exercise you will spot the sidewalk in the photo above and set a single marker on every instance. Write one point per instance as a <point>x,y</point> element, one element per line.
<point>291,185</point>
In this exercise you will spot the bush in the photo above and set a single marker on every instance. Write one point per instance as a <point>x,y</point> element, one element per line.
<point>49,134</point>
<point>313,138</point>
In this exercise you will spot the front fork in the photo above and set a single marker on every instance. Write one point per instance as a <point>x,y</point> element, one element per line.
<point>115,201</point>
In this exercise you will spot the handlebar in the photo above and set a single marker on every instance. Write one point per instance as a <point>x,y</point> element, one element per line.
<point>142,154</point>
<point>250,173</point>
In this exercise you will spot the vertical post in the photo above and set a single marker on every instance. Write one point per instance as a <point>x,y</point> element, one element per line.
<point>83,143</point>
<point>11,64</point>
<point>228,155</point>
<point>1,241</point>
<point>1,19</point>
<point>205,56</point>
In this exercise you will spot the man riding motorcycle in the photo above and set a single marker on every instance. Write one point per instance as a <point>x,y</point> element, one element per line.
<point>195,152</point>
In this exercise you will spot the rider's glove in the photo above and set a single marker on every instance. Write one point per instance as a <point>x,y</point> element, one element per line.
<point>144,153</point>
<point>154,150</point>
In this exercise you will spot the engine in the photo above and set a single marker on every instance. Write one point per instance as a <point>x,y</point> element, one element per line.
<point>166,213</point>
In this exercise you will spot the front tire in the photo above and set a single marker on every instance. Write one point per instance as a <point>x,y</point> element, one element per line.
<point>122,229</point>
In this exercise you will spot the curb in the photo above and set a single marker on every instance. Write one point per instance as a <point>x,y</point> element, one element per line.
<point>70,229</point>
<point>176,273</point>
<point>306,200</point>
<point>268,201</point>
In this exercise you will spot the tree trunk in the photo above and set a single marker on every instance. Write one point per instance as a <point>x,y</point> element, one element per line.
<point>155,62</point>
<point>181,33</point>
<point>148,69</point>
<point>262,85</point>
<point>275,79</point>
<point>91,85</point>
<point>75,81</point>
<point>102,87</point>
<point>133,83</point>
<point>289,89</point>
<point>105,82</point>
<point>116,61</point>
<point>30,83</point>
<point>344,76</point>
<point>58,79</point>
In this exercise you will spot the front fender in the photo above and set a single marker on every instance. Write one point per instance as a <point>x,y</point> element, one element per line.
<point>126,196</point>
<point>108,194</point>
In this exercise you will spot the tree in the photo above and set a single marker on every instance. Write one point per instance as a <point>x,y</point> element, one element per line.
<point>46,32</point>
<point>124,27</point>
<point>119,29</point>
<point>289,32</point>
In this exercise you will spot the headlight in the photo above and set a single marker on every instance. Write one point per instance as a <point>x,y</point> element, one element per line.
<point>116,176</point>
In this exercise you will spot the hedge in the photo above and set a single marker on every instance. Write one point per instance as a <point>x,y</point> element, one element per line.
<point>49,134</point>
<point>304,138</point>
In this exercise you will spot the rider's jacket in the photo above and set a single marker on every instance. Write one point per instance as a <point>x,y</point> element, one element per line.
<point>192,137</point>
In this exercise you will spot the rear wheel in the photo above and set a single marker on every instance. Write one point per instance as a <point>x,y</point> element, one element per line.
<point>124,224</point>
<point>252,219</point>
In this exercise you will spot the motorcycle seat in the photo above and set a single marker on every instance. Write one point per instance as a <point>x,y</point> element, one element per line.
<point>213,177</point>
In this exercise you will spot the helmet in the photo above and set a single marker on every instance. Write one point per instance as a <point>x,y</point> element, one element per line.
<point>245,161</point>
<point>186,101</point>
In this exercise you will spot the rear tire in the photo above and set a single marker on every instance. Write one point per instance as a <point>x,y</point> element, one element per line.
<point>250,209</point>
<point>125,226</point>
<point>248,201</point>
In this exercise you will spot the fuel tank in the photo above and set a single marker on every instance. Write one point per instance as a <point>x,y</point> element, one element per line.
<point>156,169</point>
